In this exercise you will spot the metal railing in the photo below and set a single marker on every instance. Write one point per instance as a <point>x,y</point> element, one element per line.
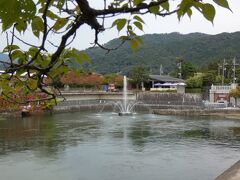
<point>215,105</point>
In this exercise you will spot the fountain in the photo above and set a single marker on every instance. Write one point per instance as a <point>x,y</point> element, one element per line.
<point>125,107</point>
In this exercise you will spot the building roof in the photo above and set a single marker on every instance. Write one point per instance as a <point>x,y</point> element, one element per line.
<point>164,78</point>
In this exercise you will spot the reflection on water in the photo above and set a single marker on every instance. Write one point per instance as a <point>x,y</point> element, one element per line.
<point>106,146</point>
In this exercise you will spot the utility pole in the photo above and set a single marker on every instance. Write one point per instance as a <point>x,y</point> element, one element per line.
<point>223,71</point>
<point>161,70</point>
<point>180,69</point>
<point>179,61</point>
<point>219,69</point>
<point>234,70</point>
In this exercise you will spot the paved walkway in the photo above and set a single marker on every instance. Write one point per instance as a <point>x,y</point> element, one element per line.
<point>233,173</point>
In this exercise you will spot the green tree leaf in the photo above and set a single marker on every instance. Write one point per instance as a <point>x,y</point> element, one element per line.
<point>60,4</point>
<point>137,2</point>
<point>154,9</point>
<point>17,54</point>
<point>189,13</point>
<point>138,25</point>
<point>11,11</point>
<point>32,51</point>
<point>10,48</point>
<point>32,83</point>
<point>139,40</point>
<point>37,26</point>
<point>124,38</point>
<point>60,23</point>
<point>134,45</point>
<point>84,57</point>
<point>52,15</point>
<point>120,24</point>
<point>223,3</point>
<point>49,14</point>
<point>21,25</point>
<point>165,5</point>
<point>179,14</point>
<point>185,5</point>
<point>208,11</point>
<point>138,19</point>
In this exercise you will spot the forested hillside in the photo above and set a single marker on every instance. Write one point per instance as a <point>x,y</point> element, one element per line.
<point>163,49</point>
<point>200,49</point>
<point>3,57</point>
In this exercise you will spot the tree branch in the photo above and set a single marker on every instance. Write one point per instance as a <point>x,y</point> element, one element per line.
<point>124,10</point>
<point>62,45</point>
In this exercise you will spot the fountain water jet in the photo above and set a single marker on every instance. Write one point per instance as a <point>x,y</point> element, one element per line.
<point>125,109</point>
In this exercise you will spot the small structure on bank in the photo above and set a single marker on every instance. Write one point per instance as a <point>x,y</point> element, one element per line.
<point>166,83</point>
<point>220,94</point>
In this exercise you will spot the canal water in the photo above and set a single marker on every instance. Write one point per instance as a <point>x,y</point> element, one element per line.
<point>105,146</point>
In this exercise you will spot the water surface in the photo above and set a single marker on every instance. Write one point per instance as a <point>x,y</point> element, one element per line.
<point>90,146</point>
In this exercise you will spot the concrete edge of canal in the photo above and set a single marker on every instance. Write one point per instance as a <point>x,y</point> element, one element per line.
<point>233,173</point>
<point>228,113</point>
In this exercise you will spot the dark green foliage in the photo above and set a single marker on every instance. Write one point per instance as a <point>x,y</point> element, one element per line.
<point>200,49</point>
<point>208,78</point>
<point>139,74</point>
<point>188,70</point>
<point>238,74</point>
<point>56,82</point>
<point>195,81</point>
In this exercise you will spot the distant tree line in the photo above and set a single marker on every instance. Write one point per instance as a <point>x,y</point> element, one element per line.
<point>86,79</point>
<point>221,72</point>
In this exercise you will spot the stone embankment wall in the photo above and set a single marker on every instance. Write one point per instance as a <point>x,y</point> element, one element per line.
<point>146,101</point>
<point>83,105</point>
<point>93,101</point>
<point>167,100</point>
<point>83,96</point>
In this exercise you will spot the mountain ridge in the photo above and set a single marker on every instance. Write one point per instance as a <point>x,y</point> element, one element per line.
<point>199,48</point>
<point>163,49</point>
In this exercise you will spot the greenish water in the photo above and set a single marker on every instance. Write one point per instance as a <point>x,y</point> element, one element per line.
<point>90,146</point>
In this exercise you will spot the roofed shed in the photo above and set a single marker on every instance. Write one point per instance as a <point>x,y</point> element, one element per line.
<point>163,83</point>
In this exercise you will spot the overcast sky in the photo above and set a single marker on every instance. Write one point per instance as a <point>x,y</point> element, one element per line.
<point>225,21</point>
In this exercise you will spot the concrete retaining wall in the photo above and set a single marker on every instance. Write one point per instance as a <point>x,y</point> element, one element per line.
<point>94,96</point>
<point>234,113</point>
<point>170,98</point>
<point>147,101</point>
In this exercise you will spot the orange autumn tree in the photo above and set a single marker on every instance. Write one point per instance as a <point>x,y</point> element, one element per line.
<point>74,79</point>
<point>115,79</point>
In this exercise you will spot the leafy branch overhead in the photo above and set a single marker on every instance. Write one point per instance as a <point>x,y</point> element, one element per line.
<point>63,18</point>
